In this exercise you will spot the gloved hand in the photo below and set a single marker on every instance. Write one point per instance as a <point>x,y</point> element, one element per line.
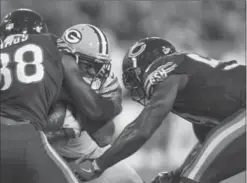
<point>86,170</point>
<point>166,177</point>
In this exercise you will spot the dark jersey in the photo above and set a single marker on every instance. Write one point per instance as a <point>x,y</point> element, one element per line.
<point>214,90</point>
<point>31,77</point>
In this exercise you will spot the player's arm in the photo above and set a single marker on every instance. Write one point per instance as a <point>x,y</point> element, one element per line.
<point>85,99</point>
<point>141,129</point>
<point>104,135</point>
<point>102,131</point>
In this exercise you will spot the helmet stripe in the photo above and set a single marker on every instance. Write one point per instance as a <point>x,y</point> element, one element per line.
<point>104,41</point>
<point>100,39</point>
<point>107,44</point>
<point>103,47</point>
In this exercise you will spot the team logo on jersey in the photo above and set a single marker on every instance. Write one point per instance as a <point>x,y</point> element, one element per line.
<point>158,75</point>
<point>166,50</point>
<point>72,36</point>
<point>161,73</point>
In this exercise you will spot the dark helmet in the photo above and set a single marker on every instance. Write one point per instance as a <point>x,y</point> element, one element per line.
<point>22,21</point>
<point>136,61</point>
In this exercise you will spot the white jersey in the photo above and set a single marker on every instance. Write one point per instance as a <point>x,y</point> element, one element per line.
<point>84,145</point>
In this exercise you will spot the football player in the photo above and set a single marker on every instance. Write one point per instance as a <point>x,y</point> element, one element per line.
<point>65,130</point>
<point>204,91</point>
<point>31,79</point>
<point>90,47</point>
<point>79,149</point>
<point>93,66</point>
<point>32,72</point>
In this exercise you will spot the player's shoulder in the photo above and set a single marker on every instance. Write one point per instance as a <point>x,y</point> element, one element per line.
<point>167,63</point>
<point>48,38</point>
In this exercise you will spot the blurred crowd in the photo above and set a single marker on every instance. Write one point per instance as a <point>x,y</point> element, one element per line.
<point>211,28</point>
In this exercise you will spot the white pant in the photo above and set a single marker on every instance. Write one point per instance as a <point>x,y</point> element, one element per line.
<point>119,173</point>
<point>86,148</point>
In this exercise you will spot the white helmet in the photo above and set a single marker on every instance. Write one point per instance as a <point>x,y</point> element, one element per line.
<point>91,47</point>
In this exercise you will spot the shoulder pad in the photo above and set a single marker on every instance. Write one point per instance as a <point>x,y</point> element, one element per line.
<point>48,36</point>
<point>165,62</point>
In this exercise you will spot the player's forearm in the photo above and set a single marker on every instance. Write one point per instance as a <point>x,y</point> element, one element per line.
<point>129,141</point>
<point>104,135</point>
<point>111,104</point>
<point>143,127</point>
<point>83,97</point>
<point>116,97</point>
<point>88,102</point>
<point>109,109</point>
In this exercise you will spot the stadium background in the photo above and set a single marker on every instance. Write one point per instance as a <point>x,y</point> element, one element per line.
<point>211,28</point>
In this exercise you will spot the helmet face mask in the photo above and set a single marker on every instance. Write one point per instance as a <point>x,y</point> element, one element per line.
<point>133,82</point>
<point>98,70</point>
<point>137,61</point>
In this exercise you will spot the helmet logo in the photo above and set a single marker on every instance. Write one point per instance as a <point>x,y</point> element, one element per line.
<point>137,49</point>
<point>166,50</point>
<point>38,28</point>
<point>73,36</point>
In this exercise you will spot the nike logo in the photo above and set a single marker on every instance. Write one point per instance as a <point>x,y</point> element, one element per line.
<point>86,170</point>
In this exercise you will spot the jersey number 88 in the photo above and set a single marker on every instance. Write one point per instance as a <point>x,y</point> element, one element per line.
<point>6,77</point>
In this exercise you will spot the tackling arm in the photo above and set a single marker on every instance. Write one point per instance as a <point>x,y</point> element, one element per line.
<point>86,100</point>
<point>141,129</point>
<point>102,131</point>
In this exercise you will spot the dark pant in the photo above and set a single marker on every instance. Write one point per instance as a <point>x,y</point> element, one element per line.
<point>222,155</point>
<point>27,157</point>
